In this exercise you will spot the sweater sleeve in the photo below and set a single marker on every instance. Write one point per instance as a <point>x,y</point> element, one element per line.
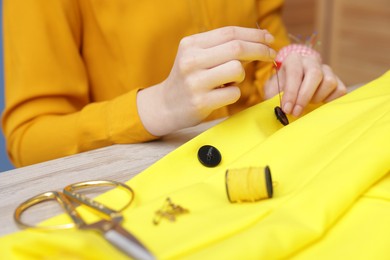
<point>49,112</point>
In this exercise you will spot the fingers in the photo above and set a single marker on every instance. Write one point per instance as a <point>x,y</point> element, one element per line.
<point>204,62</point>
<point>229,72</point>
<point>270,88</point>
<point>308,81</point>
<point>207,50</point>
<point>222,96</point>
<point>294,73</point>
<point>225,34</point>
<point>340,90</point>
<point>327,86</point>
<point>312,77</point>
<point>236,50</point>
<point>207,80</point>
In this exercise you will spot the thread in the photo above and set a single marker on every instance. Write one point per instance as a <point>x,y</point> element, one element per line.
<point>248,184</point>
<point>276,66</point>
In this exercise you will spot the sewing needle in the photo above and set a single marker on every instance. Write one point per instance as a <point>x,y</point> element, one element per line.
<point>280,115</point>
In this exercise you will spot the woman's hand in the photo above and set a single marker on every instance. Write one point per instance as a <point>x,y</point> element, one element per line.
<point>204,77</point>
<point>304,80</point>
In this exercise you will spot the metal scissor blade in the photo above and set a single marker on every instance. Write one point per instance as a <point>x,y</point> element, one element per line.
<point>126,242</point>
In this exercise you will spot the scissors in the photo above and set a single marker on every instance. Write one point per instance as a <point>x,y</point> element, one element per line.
<point>109,226</point>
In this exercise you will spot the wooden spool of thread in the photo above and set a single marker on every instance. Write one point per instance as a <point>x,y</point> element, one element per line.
<point>248,184</point>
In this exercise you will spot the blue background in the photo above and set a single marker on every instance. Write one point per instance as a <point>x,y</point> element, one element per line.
<point>4,162</point>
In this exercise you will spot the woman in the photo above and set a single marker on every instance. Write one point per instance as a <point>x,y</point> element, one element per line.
<point>83,74</point>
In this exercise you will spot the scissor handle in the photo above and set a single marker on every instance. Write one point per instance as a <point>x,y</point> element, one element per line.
<point>50,195</point>
<point>71,192</point>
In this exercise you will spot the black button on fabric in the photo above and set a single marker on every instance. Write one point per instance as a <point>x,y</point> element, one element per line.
<point>209,156</point>
<point>281,116</point>
<point>268,181</point>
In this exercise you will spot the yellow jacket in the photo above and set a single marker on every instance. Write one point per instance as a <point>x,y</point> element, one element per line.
<point>73,68</point>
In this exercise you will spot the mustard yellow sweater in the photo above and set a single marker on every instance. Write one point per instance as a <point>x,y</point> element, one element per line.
<point>73,67</point>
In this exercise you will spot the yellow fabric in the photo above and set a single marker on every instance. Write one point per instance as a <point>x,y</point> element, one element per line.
<point>73,67</point>
<point>331,200</point>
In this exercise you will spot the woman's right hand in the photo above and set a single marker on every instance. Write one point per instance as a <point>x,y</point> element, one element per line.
<point>203,78</point>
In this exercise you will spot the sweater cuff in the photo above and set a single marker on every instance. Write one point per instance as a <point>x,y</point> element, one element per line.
<point>124,122</point>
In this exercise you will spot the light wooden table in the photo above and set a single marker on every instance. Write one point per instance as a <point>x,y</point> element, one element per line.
<point>117,162</point>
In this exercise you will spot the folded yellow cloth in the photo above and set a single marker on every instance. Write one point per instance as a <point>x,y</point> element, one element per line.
<point>331,195</point>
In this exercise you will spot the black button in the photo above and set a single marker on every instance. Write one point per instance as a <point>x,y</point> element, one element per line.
<point>209,156</point>
<point>268,181</point>
<point>281,116</point>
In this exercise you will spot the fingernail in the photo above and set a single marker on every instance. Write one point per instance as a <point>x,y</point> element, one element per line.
<point>297,110</point>
<point>272,53</point>
<point>287,108</point>
<point>269,38</point>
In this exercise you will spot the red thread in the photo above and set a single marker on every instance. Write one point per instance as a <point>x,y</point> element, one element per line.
<point>277,64</point>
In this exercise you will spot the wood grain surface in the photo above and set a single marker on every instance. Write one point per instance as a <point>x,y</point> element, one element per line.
<point>117,162</point>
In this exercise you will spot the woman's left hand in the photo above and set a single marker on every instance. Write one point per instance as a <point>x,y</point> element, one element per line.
<point>304,80</point>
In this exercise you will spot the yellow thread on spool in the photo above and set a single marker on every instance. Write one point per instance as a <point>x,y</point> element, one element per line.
<point>248,184</point>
